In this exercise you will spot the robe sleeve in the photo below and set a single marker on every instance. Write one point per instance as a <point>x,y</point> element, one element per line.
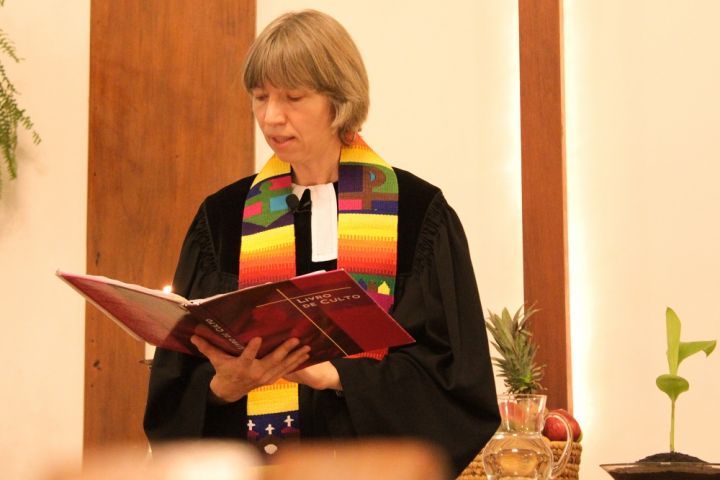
<point>177,405</point>
<point>442,387</point>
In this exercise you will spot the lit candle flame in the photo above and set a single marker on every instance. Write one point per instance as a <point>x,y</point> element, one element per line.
<point>167,289</point>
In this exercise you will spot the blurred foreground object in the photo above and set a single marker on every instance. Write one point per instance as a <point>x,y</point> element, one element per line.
<point>228,460</point>
<point>367,460</point>
<point>206,460</point>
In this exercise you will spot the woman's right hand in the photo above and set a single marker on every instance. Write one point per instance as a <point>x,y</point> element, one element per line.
<point>236,376</point>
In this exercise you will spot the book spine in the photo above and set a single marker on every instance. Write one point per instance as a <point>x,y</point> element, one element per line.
<point>199,311</point>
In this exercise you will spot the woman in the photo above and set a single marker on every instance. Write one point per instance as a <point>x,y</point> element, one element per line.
<point>391,230</point>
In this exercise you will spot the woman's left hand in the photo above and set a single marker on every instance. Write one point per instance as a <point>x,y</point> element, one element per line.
<point>320,376</point>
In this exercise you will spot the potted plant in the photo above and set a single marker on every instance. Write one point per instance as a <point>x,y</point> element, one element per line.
<point>522,406</point>
<point>672,464</point>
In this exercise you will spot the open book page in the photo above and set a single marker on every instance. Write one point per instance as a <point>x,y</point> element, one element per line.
<point>154,316</point>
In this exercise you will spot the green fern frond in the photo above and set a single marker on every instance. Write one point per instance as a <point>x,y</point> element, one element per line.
<point>11,115</point>
<point>7,46</point>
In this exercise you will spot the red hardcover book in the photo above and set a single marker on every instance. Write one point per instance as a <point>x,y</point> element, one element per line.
<point>327,310</point>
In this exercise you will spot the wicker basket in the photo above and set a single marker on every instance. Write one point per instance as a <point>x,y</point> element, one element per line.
<point>475,470</point>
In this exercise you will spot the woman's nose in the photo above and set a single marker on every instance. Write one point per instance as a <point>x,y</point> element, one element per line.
<point>274,112</point>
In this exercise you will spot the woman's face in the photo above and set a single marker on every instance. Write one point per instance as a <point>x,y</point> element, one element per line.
<point>296,124</point>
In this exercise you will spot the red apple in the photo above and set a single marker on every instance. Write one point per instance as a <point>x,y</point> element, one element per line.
<point>555,430</point>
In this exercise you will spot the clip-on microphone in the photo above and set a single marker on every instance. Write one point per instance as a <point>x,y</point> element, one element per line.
<point>299,205</point>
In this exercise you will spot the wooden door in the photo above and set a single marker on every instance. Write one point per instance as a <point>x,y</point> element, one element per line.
<point>170,123</point>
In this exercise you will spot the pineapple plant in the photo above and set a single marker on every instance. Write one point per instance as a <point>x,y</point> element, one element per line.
<point>522,407</point>
<point>514,343</point>
<point>516,364</point>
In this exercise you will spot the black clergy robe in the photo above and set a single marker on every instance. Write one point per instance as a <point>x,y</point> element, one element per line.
<point>440,389</point>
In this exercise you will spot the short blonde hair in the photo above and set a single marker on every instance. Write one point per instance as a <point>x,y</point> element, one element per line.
<point>311,49</point>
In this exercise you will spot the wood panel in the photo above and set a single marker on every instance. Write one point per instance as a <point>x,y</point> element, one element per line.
<point>170,122</point>
<point>543,190</point>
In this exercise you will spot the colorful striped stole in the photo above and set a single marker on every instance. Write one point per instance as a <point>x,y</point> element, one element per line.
<point>367,249</point>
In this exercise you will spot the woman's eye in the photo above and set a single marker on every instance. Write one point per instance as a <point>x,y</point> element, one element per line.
<point>295,98</point>
<point>259,95</point>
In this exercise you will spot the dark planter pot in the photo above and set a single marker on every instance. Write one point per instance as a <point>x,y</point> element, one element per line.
<point>663,471</point>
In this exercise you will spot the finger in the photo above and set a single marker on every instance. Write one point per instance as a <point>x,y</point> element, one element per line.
<point>279,354</point>
<point>288,364</point>
<point>251,350</point>
<point>278,360</point>
<point>214,354</point>
<point>296,363</point>
<point>200,343</point>
<point>289,371</point>
<point>294,357</point>
<point>202,328</point>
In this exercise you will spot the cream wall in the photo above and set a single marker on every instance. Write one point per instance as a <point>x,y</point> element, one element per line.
<point>641,96</point>
<point>445,77</point>
<point>642,107</point>
<point>42,227</point>
<point>444,92</point>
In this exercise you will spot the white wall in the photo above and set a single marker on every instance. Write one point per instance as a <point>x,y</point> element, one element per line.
<point>444,91</point>
<point>642,109</point>
<point>42,227</point>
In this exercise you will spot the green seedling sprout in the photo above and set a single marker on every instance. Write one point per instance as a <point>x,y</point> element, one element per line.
<point>671,383</point>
